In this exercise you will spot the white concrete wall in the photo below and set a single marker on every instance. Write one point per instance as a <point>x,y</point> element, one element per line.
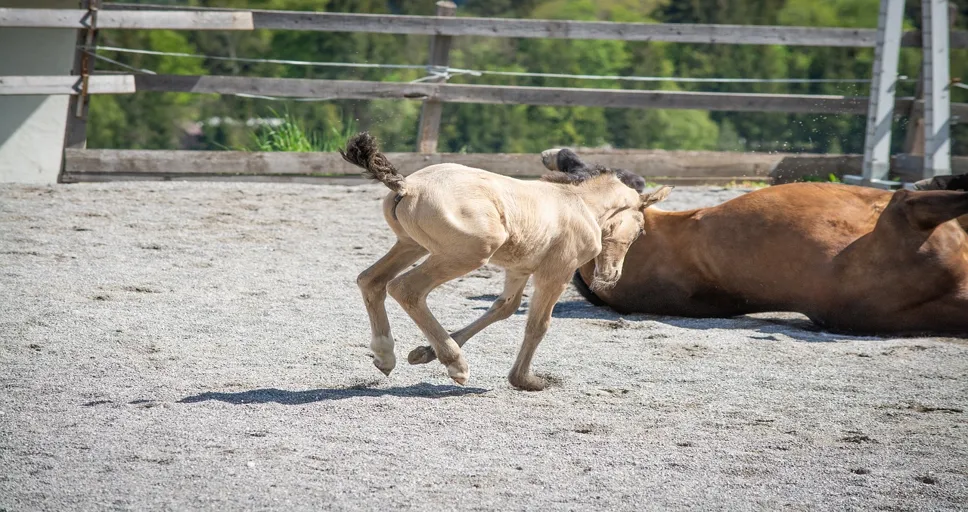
<point>32,127</point>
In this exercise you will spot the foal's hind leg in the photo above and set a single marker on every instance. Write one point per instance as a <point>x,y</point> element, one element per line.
<point>373,283</point>
<point>503,307</point>
<point>411,290</point>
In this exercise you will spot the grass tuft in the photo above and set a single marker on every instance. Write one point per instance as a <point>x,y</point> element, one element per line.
<point>831,178</point>
<point>291,136</point>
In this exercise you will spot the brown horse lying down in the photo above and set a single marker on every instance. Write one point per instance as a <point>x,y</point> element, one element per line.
<point>850,258</point>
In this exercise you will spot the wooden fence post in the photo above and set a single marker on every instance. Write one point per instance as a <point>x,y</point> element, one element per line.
<point>429,130</point>
<point>75,135</point>
<point>914,136</point>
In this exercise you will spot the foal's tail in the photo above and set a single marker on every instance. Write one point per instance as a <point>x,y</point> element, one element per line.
<point>362,151</point>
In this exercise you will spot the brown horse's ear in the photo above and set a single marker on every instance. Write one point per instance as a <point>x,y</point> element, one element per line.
<point>651,198</point>
<point>549,158</point>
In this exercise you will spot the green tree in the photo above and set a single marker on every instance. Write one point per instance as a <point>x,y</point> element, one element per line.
<point>152,120</point>
<point>534,128</point>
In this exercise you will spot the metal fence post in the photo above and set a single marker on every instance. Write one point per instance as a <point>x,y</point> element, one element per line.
<point>880,110</point>
<point>429,130</point>
<point>937,88</point>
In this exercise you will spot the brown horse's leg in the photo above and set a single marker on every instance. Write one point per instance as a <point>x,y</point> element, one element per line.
<point>928,209</point>
<point>503,307</point>
<point>546,294</point>
<point>411,290</point>
<point>907,273</point>
<point>957,182</point>
<point>373,283</point>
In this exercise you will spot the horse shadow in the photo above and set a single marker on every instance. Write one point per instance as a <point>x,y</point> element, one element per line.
<point>768,325</point>
<point>798,328</point>
<point>563,309</point>
<point>288,397</point>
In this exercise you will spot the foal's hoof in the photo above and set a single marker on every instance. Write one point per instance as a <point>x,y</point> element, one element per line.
<point>385,364</point>
<point>528,382</point>
<point>459,371</point>
<point>421,355</point>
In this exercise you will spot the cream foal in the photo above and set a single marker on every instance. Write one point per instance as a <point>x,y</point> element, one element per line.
<point>464,218</point>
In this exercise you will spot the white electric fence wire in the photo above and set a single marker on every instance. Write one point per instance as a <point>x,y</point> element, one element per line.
<point>438,73</point>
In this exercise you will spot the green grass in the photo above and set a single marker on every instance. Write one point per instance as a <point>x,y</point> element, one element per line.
<point>831,178</point>
<point>754,184</point>
<point>291,136</point>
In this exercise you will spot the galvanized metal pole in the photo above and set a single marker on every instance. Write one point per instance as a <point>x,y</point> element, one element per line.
<point>937,88</point>
<point>880,109</point>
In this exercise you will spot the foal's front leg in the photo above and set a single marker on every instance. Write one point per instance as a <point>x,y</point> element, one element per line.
<point>373,283</point>
<point>503,307</point>
<point>547,290</point>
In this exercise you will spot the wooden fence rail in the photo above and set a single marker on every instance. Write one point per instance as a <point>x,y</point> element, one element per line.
<point>138,16</point>
<point>64,85</point>
<point>648,163</point>
<point>561,29</point>
<point>497,94</point>
<point>665,167</point>
<point>127,20</point>
<point>657,166</point>
<point>456,93</point>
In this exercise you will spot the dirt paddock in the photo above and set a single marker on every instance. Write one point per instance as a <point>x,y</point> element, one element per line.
<point>190,346</point>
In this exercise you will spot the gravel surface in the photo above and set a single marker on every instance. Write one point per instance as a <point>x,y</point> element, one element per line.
<point>203,346</point>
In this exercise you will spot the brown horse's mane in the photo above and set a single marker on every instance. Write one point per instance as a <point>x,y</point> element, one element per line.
<point>572,170</point>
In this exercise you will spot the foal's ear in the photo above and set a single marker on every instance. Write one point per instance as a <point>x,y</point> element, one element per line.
<point>654,197</point>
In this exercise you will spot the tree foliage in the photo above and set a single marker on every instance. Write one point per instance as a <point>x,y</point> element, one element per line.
<point>152,120</point>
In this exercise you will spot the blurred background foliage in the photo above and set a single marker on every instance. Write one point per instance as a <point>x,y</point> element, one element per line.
<point>157,121</point>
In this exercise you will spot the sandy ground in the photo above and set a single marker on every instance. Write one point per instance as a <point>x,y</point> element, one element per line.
<point>171,346</point>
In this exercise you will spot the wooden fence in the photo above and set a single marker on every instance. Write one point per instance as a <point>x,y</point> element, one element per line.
<point>456,93</point>
<point>657,166</point>
<point>668,167</point>
<point>81,164</point>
